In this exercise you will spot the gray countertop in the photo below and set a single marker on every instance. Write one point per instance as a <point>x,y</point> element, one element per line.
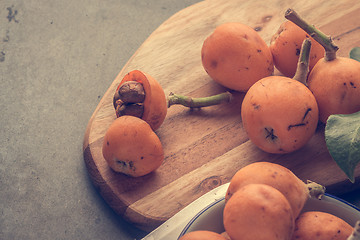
<point>57,59</point>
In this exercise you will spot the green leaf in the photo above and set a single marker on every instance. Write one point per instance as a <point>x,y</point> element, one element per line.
<point>355,53</point>
<point>342,136</point>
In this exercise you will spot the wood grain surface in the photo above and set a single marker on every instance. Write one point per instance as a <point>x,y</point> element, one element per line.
<point>204,148</point>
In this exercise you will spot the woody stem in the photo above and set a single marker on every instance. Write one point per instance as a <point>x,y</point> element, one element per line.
<point>303,62</point>
<point>320,37</point>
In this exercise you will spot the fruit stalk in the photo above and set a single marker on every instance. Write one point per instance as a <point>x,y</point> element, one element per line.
<point>199,102</point>
<point>303,63</point>
<point>325,41</point>
<point>356,233</point>
<point>315,190</point>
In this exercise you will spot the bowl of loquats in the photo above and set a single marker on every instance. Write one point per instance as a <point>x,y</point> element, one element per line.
<point>259,209</point>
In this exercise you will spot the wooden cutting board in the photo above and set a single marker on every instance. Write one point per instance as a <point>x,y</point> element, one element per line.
<point>204,148</point>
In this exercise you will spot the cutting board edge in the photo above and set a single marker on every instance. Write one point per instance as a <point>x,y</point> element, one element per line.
<point>86,143</point>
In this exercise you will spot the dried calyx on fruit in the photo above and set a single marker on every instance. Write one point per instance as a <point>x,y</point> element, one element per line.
<point>129,99</point>
<point>140,95</point>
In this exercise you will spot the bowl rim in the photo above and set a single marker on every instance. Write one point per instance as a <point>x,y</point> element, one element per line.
<point>197,215</point>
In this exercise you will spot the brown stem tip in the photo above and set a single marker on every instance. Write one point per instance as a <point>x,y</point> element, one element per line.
<point>315,190</point>
<point>320,37</point>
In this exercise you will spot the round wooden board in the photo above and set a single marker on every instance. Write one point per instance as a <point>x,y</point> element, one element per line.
<point>204,148</point>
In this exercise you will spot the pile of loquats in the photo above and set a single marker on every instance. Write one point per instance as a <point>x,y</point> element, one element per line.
<point>265,201</point>
<point>280,113</point>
